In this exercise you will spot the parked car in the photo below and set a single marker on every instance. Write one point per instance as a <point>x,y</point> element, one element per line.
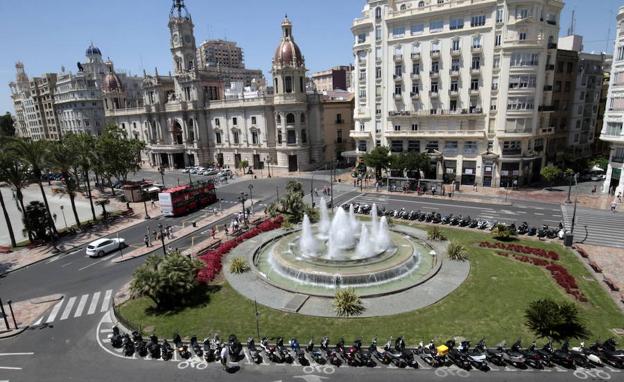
<point>211,171</point>
<point>225,173</point>
<point>101,247</point>
<point>186,170</point>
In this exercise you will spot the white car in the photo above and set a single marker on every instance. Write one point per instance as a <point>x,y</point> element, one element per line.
<point>101,247</point>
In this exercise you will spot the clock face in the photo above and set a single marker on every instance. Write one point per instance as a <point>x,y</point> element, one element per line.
<point>175,38</point>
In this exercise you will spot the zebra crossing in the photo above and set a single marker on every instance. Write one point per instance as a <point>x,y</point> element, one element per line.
<point>602,227</point>
<point>99,303</point>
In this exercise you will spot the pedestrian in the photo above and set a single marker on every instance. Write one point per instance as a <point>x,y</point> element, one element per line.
<point>14,197</point>
<point>155,235</point>
<point>224,357</point>
<point>594,189</point>
<point>377,186</point>
<point>214,232</point>
<point>54,214</point>
<point>225,229</point>
<point>171,232</point>
<point>619,197</point>
<point>146,241</point>
<point>474,187</point>
<point>153,203</point>
<point>613,206</point>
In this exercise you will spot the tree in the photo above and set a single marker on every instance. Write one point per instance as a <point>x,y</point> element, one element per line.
<point>601,162</point>
<point>291,205</point>
<point>103,203</point>
<point>15,172</point>
<point>550,173</point>
<point>37,221</point>
<point>63,159</point>
<point>7,127</point>
<point>118,156</point>
<point>548,319</point>
<point>377,159</point>
<point>167,280</point>
<point>83,146</point>
<point>502,232</point>
<point>242,165</point>
<point>411,162</point>
<point>34,153</point>
<point>4,162</point>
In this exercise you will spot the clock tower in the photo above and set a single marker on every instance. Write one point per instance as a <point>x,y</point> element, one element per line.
<point>183,47</point>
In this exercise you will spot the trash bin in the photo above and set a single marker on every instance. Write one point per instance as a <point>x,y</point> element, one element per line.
<point>568,239</point>
<point>194,224</point>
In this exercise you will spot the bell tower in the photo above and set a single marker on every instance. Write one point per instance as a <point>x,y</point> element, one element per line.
<point>182,40</point>
<point>288,65</point>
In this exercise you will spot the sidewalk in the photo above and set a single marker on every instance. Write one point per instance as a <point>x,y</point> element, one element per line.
<point>200,224</point>
<point>26,312</point>
<point>24,257</point>
<point>610,262</point>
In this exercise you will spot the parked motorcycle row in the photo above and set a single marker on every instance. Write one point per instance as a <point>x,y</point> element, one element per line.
<point>394,352</point>
<point>542,232</point>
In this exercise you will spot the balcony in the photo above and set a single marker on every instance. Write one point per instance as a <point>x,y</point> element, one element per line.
<point>360,134</point>
<point>474,92</point>
<point>548,88</point>
<point>434,94</point>
<point>398,57</point>
<point>612,135</point>
<point>476,49</point>
<point>398,97</point>
<point>550,67</point>
<point>512,152</point>
<point>436,133</point>
<point>546,108</point>
<point>494,89</point>
<point>455,52</point>
<point>415,56</point>
<point>415,76</point>
<point>397,78</point>
<point>435,54</point>
<point>434,74</point>
<point>454,73</point>
<point>440,113</point>
<point>453,93</point>
<point>415,96</point>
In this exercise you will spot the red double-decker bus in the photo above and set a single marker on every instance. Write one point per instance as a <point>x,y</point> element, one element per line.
<point>181,200</point>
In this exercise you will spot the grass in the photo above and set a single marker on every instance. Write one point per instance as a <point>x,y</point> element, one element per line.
<point>490,303</point>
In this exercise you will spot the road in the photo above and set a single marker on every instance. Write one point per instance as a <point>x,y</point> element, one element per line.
<point>69,342</point>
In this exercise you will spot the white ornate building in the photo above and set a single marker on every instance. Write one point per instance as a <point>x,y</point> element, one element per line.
<point>612,131</point>
<point>462,80</point>
<point>186,119</point>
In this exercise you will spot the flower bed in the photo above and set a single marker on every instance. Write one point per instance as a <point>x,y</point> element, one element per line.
<point>558,272</point>
<point>551,255</point>
<point>212,258</point>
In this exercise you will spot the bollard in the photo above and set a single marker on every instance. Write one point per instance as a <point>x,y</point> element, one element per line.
<point>6,322</point>
<point>12,314</point>
<point>194,224</point>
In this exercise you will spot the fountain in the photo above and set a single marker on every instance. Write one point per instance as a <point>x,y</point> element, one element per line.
<point>308,243</point>
<point>364,247</point>
<point>324,223</point>
<point>382,237</point>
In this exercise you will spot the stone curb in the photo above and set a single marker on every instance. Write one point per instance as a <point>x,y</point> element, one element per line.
<point>13,333</point>
<point>41,300</point>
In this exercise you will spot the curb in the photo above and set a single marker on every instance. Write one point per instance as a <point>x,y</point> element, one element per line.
<point>41,300</point>
<point>13,333</point>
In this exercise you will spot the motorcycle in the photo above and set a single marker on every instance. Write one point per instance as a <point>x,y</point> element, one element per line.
<point>128,345</point>
<point>609,354</point>
<point>139,344</point>
<point>209,352</point>
<point>316,355</point>
<point>271,351</point>
<point>331,355</point>
<point>235,348</point>
<point>559,357</point>
<point>477,359</point>
<point>579,358</point>
<point>492,355</point>
<point>511,357</point>
<point>196,348</point>
<point>591,355</point>
<point>532,358</point>
<point>363,358</point>
<point>457,357</point>
<point>117,338</point>
<point>253,351</point>
<point>285,354</point>
<point>180,347</point>
<point>299,353</point>
<point>167,351</point>
<point>153,347</point>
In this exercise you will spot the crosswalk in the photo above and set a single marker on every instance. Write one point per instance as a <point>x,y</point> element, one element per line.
<point>63,309</point>
<point>602,227</point>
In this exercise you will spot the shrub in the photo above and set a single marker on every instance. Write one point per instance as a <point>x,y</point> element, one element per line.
<point>559,322</point>
<point>457,252</point>
<point>435,234</point>
<point>239,265</point>
<point>501,232</point>
<point>347,303</point>
<point>167,280</point>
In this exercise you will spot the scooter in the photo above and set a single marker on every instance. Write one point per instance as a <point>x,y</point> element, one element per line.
<point>116,339</point>
<point>196,348</point>
<point>153,347</point>
<point>253,351</point>
<point>477,359</point>
<point>209,352</point>
<point>364,358</point>
<point>407,356</point>
<point>331,355</point>
<point>392,357</point>
<point>139,344</point>
<point>591,355</point>
<point>128,345</point>
<point>425,354</point>
<point>532,358</point>
<point>180,347</point>
<point>285,354</point>
<point>348,357</point>
<point>511,357</point>
<point>457,357</point>
<point>316,355</point>
<point>271,351</point>
<point>167,351</point>
<point>235,348</point>
<point>579,358</point>
<point>299,353</point>
<point>559,357</point>
<point>492,355</point>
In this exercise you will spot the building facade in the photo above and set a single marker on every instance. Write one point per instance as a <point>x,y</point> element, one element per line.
<point>460,80</point>
<point>225,60</point>
<point>336,78</point>
<point>612,132</point>
<point>189,118</point>
<point>337,121</point>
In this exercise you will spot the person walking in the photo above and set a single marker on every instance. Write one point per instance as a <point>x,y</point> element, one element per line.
<point>214,233</point>
<point>146,241</point>
<point>613,206</point>
<point>224,357</point>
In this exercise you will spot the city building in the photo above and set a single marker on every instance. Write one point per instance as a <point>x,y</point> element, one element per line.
<point>336,78</point>
<point>460,80</point>
<point>601,148</point>
<point>576,98</point>
<point>189,118</point>
<point>337,121</point>
<point>614,115</point>
<point>224,59</point>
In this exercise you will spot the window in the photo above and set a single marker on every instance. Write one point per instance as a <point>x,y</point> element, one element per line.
<point>417,28</point>
<point>304,136</point>
<point>398,89</point>
<point>522,13</point>
<point>421,4</point>
<point>290,119</point>
<point>217,122</point>
<point>497,40</point>
<point>378,72</point>
<point>236,137</point>
<point>416,68</point>
<point>435,46</point>
<point>455,65</point>
<point>415,89</point>
<point>398,31</point>
<point>499,15</point>
<point>432,145</point>
<point>522,82</point>
<point>474,84</point>
<point>254,137</point>
<point>476,62</point>
<point>339,119</point>
<point>456,24</point>
<point>524,59</point>
<point>496,62</point>
<point>291,137</point>
<point>538,145</point>
<point>398,70</point>
<point>436,25</point>
<point>361,38</point>
<point>378,32</point>
<point>567,86</point>
<point>414,127</point>
<point>279,119</point>
<point>522,36</point>
<point>477,21</point>
<point>560,67</point>
<point>450,146</point>
<point>434,87</point>
<point>455,44</point>
<point>557,87</point>
<point>397,127</point>
<point>620,53</point>
<point>234,121</point>
<point>288,86</point>
<point>253,120</point>
<point>302,118</point>
<point>413,146</point>
<point>512,147</point>
<point>396,146</point>
<point>495,83</point>
<point>338,136</point>
<point>476,41</point>
<point>454,85</point>
<point>435,67</point>
<point>453,105</point>
<point>470,147</point>
<point>520,103</point>
<point>378,12</point>
<point>362,146</point>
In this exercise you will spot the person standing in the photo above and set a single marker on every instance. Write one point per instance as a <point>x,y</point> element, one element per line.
<point>146,241</point>
<point>224,357</point>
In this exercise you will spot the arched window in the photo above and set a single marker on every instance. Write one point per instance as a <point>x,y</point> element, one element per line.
<point>276,86</point>
<point>302,117</point>
<point>290,119</point>
<point>403,7</point>
<point>191,131</point>
<point>301,87</point>
<point>288,85</point>
<point>378,12</point>
<point>177,133</point>
<point>421,4</point>
<point>279,119</point>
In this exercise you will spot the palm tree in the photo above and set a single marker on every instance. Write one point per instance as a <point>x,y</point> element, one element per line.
<point>103,203</point>
<point>34,153</point>
<point>15,172</point>
<point>83,146</point>
<point>63,159</point>
<point>4,162</point>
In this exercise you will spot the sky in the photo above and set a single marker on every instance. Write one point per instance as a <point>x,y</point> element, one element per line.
<point>46,35</point>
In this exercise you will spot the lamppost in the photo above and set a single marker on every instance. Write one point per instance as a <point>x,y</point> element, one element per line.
<point>312,189</point>
<point>145,205</point>
<point>243,198</point>
<point>162,238</point>
<point>333,174</point>
<point>569,200</point>
<point>268,160</point>
<point>63,213</point>
<point>190,179</point>
<point>251,197</point>
<point>161,170</point>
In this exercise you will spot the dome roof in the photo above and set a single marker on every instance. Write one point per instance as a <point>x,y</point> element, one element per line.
<point>111,82</point>
<point>93,50</point>
<point>288,52</point>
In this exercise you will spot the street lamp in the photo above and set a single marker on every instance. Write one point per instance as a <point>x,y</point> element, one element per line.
<point>243,198</point>
<point>569,200</point>
<point>161,170</point>
<point>162,238</point>
<point>145,205</point>
<point>312,189</point>
<point>268,160</point>
<point>251,197</point>
<point>63,213</point>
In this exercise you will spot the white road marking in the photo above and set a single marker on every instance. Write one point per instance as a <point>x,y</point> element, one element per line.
<point>38,322</point>
<point>27,353</point>
<point>92,264</point>
<point>538,214</point>
<point>68,308</point>
<point>81,305</point>
<point>54,312</point>
<point>106,331</point>
<point>94,301</point>
<point>66,264</point>
<point>10,368</point>
<point>107,300</point>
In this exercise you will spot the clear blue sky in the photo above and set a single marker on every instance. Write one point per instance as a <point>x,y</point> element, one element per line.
<point>48,34</point>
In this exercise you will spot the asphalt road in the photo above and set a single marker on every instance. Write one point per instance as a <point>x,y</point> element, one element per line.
<point>69,341</point>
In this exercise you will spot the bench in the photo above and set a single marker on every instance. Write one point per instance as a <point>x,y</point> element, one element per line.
<point>595,267</point>
<point>611,284</point>
<point>214,245</point>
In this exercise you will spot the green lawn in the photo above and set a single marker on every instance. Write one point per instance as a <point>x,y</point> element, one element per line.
<point>489,304</point>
